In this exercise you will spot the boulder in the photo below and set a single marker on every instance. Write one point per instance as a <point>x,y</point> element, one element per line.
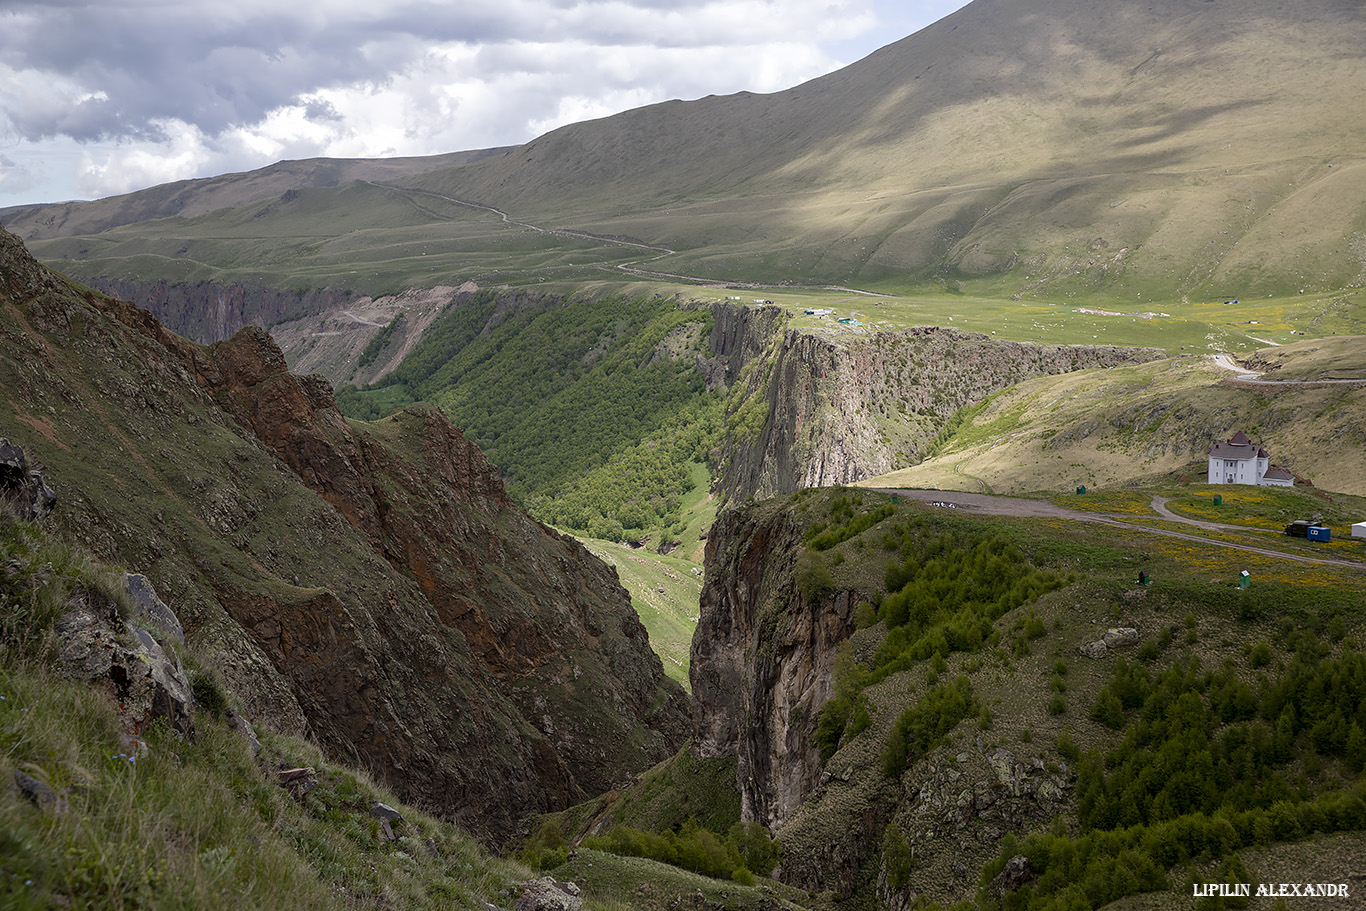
<point>22,487</point>
<point>98,647</point>
<point>149,610</point>
<point>546,894</point>
<point>1095,649</point>
<point>1121,638</point>
<point>40,794</point>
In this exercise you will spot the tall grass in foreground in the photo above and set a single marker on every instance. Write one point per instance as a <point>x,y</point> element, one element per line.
<point>191,822</point>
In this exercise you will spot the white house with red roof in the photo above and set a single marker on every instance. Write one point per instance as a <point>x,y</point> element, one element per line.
<point>1241,461</point>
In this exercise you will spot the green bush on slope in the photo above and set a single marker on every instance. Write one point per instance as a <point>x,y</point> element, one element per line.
<point>1208,764</point>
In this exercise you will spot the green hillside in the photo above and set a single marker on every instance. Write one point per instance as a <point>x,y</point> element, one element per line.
<point>1137,153</point>
<point>593,410</point>
<point>1223,744</point>
<point>1105,429</point>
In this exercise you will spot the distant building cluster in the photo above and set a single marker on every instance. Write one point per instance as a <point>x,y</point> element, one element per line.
<point>1241,461</point>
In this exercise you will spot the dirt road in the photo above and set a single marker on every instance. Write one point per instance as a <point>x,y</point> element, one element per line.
<point>984,504</point>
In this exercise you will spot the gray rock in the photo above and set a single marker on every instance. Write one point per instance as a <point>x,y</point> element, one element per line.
<point>99,648</point>
<point>546,894</point>
<point>1095,649</point>
<point>384,811</point>
<point>21,487</point>
<point>298,782</point>
<point>150,610</point>
<point>40,794</point>
<point>1015,875</point>
<point>244,729</point>
<point>1121,637</point>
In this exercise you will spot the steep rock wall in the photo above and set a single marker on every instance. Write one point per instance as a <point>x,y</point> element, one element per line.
<point>840,410</point>
<point>210,312</point>
<point>761,661</point>
<point>369,585</point>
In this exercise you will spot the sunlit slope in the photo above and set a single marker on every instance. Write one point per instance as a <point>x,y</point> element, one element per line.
<point>1129,150</point>
<point>189,198</point>
<point>1107,428</point>
<point>1159,147</point>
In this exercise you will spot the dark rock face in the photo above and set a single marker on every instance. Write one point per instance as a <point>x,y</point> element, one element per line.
<point>369,585</point>
<point>762,668</point>
<point>210,312</point>
<point>22,487</point>
<point>762,656</point>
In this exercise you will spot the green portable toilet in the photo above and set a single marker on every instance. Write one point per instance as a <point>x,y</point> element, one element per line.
<point>1244,580</point>
<point>1081,489</point>
<point>1218,500</point>
<point>896,498</point>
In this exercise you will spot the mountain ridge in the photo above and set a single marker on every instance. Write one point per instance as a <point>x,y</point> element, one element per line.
<point>1043,148</point>
<point>370,585</point>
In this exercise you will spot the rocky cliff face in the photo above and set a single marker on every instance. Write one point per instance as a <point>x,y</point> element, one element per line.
<point>210,312</point>
<point>370,585</point>
<point>842,410</point>
<point>763,666</point>
<point>761,661</point>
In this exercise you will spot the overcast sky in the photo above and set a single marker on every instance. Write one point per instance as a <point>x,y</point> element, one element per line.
<point>100,97</point>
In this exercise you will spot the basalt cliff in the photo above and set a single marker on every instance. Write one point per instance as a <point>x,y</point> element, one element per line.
<point>370,585</point>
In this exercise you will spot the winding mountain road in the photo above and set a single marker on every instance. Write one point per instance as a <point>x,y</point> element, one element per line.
<point>986,504</point>
<point>1226,362</point>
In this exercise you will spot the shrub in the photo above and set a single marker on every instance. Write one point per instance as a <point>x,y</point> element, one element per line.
<point>209,693</point>
<point>814,580</point>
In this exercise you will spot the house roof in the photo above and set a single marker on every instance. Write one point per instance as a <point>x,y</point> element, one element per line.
<point>1277,474</point>
<point>1232,451</point>
<point>1238,447</point>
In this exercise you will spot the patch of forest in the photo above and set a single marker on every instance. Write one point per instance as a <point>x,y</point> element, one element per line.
<point>594,411</point>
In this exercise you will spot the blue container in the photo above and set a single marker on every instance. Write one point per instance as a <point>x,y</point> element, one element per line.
<point>1319,533</point>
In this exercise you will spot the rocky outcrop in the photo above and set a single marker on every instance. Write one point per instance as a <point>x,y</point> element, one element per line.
<point>545,894</point>
<point>840,410</point>
<point>23,488</point>
<point>739,336</point>
<point>368,585</point>
<point>210,312</point>
<point>761,661</point>
<point>1115,637</point>
<point>126,663</point>
<point>762,669</point>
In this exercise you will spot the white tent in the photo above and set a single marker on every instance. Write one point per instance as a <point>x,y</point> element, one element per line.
<point>1359,530</point>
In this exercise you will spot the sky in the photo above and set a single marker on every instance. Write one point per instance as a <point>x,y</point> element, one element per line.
<point>102,97</point>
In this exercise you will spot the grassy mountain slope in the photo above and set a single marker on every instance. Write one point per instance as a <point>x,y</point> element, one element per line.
<point>1048,148</point>
<point>369,584</point>
<point>206,819</point>
<point>914,709</point>
<point>595,411</point>
<point>188,198</point>
<point>1104,429</point>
